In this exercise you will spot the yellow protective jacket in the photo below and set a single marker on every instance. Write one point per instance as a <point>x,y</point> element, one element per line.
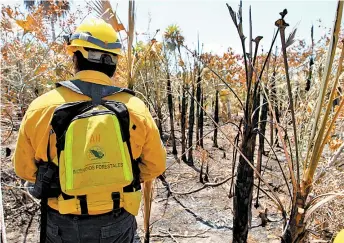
<point>34,132</point>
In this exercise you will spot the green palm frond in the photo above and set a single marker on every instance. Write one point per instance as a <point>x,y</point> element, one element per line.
<point>318,135</point>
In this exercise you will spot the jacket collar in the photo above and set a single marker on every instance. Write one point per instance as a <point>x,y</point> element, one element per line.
<point>93,77</point>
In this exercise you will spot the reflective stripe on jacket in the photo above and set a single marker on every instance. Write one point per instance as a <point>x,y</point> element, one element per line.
<point>34,131</point>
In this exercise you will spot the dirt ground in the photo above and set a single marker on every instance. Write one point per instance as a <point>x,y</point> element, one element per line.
<point>203,216</point>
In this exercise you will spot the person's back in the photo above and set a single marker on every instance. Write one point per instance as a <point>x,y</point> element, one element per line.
<point>95,216</point>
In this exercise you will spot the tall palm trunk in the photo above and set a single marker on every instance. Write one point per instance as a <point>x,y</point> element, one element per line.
<point>245,176</point>
<point>191,125</point>
<point>201,120</point>
<point>158,99</point>
<point>183,120</point>
<point>171,110</point>
<point>242,200</point>
<point>198,98</point>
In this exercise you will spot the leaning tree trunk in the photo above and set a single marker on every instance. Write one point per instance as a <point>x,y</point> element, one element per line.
<point>171,109</point>
<point>216,118</point>
<point>183,122</point>
<point>191,125</point>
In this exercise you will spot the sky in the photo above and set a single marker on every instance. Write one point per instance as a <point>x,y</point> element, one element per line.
<point>210,19</point>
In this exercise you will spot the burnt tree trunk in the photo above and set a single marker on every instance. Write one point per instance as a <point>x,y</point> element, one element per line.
<point>171,110</point>
<point>159,115</point>
<point>179,110</point>
<point>216,118</point>
<point>242,201</point>
<point>158,101</point>
<point>278,121</point>
<point>311,63</point>
<point>201,121</point>
<point>198,98</point>
<point>183,123</point>
<point>191,125</point>
<point>309,78</point>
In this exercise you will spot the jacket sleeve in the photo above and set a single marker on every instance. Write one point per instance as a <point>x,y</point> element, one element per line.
<point>24,155</point>
<point>153,152</point>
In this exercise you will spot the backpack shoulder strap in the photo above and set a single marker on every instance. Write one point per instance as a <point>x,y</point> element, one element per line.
<point>92,90</point>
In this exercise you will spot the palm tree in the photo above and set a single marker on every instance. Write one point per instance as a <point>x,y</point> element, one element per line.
<point>174,40</point>
<point>64,6</point>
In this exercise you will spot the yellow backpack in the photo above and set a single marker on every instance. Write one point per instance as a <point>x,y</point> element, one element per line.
<point>93,148</point>
<point>340,237</point>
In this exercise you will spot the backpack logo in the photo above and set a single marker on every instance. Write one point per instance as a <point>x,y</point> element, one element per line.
<point>95,153</point>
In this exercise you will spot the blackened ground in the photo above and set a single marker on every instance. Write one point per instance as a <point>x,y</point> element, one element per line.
<point>202,216</point>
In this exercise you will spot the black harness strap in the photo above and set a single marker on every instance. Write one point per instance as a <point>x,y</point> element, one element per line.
<point>44,201</point>
<point>116,197</point>
<point>92,90</point>
<point>83,204</point>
